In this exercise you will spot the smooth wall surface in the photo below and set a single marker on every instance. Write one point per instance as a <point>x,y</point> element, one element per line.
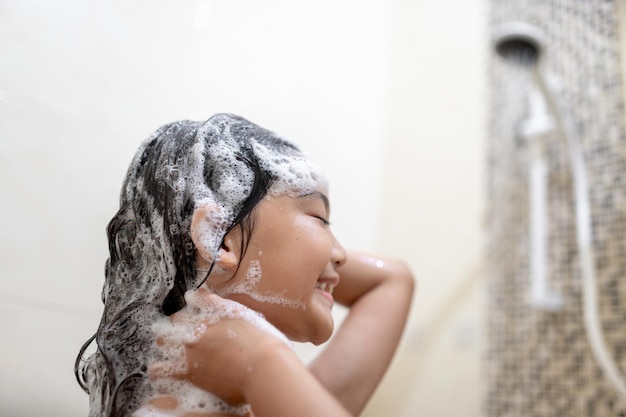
<point>385,95</point>
<point>432,210</point>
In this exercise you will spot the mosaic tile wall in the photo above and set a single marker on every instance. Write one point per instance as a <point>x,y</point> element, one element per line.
<point>539,363</point>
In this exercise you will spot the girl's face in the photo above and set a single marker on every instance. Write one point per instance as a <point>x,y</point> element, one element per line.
<point>289,269</point>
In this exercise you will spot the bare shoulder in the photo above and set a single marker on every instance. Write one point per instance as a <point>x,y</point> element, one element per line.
<point>167,407</point>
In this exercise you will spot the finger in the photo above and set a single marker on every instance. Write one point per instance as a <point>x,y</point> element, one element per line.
<point>204,289</point>
<point>195,301</point>
<point>167,369</point>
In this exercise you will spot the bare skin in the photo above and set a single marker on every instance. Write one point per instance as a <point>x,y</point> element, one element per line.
<point>243,364</point>
<point>378,291</point>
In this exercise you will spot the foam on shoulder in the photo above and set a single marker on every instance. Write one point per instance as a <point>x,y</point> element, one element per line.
<point>188,328</point>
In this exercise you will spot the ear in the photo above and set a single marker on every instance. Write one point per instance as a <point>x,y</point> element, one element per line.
<point>228,256</point>
<point>205,234</point>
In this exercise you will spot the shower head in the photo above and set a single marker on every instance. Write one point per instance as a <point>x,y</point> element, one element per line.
<point>524,45</point>
<point>519,42</point>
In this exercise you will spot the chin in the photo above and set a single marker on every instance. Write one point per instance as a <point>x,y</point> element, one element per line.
<point>322,335</point>
<point>315,335</point>
<point>301,328</point>
<point>319,342</point>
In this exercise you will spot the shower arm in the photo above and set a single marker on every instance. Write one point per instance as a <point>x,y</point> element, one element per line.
<point>536,131</point>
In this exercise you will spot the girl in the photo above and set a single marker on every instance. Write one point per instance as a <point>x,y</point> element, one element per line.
<point>221,252</point>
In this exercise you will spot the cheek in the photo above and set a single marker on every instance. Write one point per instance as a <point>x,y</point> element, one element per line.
<point>311,250</point>
<point>314,238</point>
<point>293,258</point>
<point>295,274</point>
<point>319,248</point>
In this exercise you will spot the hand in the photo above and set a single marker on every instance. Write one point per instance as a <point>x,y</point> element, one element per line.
<point>234,353</point>
<point>223,342</point>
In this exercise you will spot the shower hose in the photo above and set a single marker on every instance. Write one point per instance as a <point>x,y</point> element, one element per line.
<point>586,253</point>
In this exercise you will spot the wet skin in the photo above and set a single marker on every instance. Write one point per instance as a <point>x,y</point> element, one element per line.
<point>298,255</point>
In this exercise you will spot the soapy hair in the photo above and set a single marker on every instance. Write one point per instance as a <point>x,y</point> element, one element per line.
<point>227,162</point>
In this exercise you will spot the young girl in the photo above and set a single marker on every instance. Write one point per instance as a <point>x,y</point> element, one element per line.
<point>221,254</point>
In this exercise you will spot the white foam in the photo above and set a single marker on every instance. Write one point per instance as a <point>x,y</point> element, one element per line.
<point>218,150</point>
<point>293,174</point>
<point>188,329</point>
<point>249,285</point>
<point>190,399</point>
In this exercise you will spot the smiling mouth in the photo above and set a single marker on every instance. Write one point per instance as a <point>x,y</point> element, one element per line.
<point>326,287</point>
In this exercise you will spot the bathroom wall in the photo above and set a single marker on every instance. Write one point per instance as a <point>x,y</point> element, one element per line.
<point>433,204</point>
<point>383,94</point>
<point>540,362</point>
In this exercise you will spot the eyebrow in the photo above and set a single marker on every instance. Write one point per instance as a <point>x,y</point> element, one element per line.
<point>319,195</point>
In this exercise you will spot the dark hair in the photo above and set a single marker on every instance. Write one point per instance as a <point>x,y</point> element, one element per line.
<point>152,259</point>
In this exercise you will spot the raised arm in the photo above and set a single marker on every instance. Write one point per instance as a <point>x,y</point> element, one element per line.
<point>378,291</point>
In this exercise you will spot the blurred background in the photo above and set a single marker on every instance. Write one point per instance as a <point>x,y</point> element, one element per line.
<point>389,96</point>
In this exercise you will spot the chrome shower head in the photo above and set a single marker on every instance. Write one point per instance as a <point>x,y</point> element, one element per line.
<point>519,42</point>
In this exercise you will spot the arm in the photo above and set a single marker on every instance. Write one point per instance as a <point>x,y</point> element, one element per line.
<point>378,292</point>
<point>243,363</point>
<point>281,386</point>
<point>266,372</point>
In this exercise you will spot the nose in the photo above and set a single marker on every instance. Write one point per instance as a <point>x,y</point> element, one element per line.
<point>338,255</point>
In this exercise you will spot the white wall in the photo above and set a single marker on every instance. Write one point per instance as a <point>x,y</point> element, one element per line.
<point>433,204</point>
<point>360,85</point>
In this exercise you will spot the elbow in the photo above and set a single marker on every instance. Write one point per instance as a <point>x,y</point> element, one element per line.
<point>400,272</point>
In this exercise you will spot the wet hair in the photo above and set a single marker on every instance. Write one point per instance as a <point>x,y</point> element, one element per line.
<point>226,161</point>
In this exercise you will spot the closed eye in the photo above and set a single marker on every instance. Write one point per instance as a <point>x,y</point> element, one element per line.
<point>323,220</point>
<point>317,205</point>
